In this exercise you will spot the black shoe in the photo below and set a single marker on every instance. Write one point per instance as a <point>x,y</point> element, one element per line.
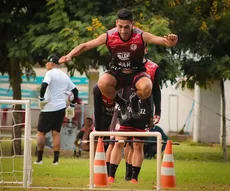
<point>135,106</point>
<point>123,104</point>
<point>74,153</point>
<point>146,156</point>
<point>128,178</point>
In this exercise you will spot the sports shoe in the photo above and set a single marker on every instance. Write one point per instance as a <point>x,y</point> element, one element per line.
<point>123,104</point>
<point>135,106</point>
<point>111,180</point>
<point>38,162</point>
<point>134,181</point>
<point>55,163</point>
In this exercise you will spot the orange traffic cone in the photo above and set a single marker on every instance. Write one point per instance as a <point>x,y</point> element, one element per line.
<point>168,179</point>
<point>100,170</point>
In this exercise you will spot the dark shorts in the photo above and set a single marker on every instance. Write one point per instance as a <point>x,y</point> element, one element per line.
<point>127,79</point>
<point>51,121</point>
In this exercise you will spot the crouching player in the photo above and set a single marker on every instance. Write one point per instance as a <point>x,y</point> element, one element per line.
<point>137,125</point>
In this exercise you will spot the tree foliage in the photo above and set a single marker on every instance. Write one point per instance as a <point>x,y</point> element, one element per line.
<point>68,23</point>
<point>15,56</point>
<point>203,27</point>
<point>31,30</point>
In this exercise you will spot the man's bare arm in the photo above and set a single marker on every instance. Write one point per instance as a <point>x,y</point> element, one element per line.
<point>169,40</point>
<point>83,48</point>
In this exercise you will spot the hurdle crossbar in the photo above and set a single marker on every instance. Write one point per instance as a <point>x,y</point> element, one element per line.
<point>128,134</point>
<point>129,141</point>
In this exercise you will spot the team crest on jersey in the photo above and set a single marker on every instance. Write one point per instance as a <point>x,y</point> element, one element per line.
<point>133,46</point>
<point>123,55</point>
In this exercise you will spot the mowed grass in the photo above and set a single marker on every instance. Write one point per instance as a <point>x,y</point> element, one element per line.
<point>197,168</point>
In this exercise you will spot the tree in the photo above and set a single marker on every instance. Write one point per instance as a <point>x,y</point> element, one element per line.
<point>67,28</point>
<point>31,30</point>
<point>15,56</point>
<point>203,27</point>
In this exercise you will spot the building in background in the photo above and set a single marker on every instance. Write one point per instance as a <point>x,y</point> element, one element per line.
<point>197,112</point>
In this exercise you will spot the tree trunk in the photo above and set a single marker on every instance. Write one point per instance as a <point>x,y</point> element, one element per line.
<point>224,132</point>
<point>15,80</point>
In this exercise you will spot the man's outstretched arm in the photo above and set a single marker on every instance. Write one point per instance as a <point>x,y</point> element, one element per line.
<point>84,47</point>
<point>169,40</point>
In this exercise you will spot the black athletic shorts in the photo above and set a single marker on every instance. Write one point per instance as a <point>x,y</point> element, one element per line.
<point>51,121</point>
<point>127,79</point>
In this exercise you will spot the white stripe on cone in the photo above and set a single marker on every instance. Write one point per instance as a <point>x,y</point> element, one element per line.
<point>168,158</point>
<point>100,169</point>
<point>100,156</point>
<point>167,171</point>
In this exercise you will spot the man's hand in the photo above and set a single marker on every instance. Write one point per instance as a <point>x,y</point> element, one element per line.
<point>64,59</point>
<point>42,102</point>
<point>172,39</point>
<point>70,111</point>
<point>156,119</point>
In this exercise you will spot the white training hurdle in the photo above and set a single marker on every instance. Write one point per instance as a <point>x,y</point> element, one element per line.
<point>126,134</point>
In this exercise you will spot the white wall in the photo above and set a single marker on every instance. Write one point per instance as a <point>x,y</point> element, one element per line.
<point>206,114</point>
<point>174,114</point>
<point>210,104</point>
<point>176,105</point>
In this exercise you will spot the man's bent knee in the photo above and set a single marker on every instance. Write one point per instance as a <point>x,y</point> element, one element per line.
<point>107,84</point>
<point>144,87</point>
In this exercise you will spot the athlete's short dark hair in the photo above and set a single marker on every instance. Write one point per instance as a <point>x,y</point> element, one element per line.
<point>89,118</point>
<point>125,14</point>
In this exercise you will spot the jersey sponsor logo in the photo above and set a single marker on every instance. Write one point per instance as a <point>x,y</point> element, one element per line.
<point>123,56</point>
<point>133,46</point>
<point>125,64</point>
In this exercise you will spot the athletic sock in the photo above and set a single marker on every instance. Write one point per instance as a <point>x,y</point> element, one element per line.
<point>129,171</point>
<point>56,156</point>
<point>126,172</point>
<point>112,170</point>
<point>128,175</point>
<point>108,166</point>
<point>39,156</point>
<point>135,172</point>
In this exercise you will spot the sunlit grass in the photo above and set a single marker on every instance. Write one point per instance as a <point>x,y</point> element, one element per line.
<point>197,168</point>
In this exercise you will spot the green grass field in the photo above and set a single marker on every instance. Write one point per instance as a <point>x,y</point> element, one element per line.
<point>198,168</point>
